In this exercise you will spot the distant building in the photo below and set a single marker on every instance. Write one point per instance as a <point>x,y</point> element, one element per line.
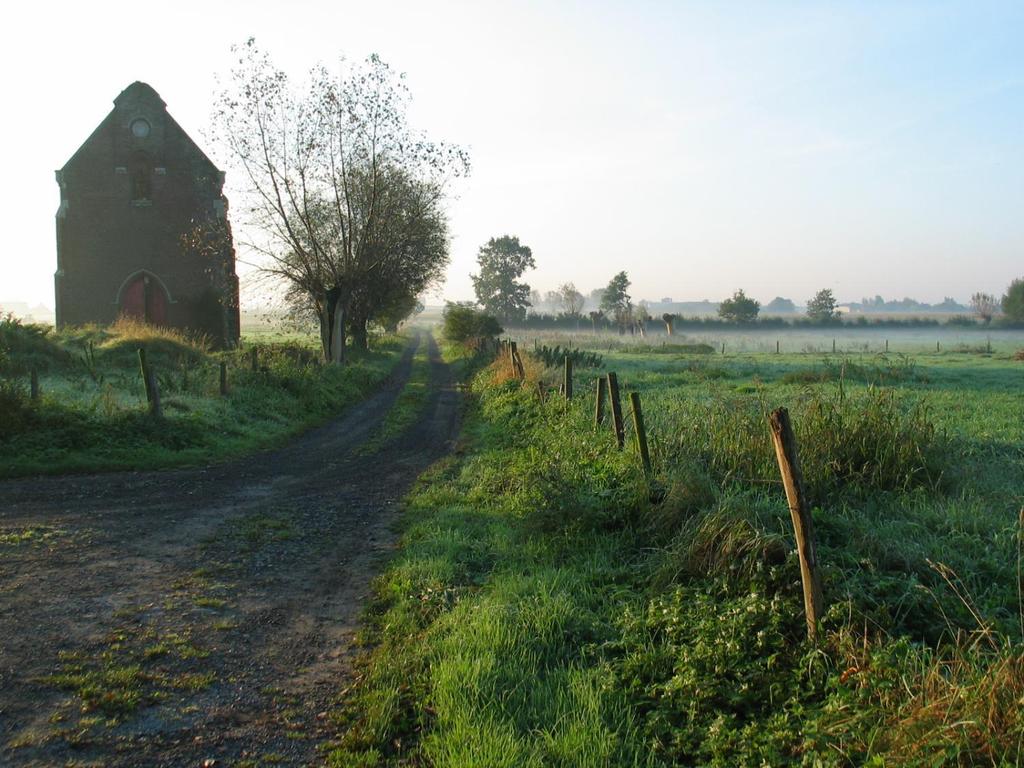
<point>142,228</point>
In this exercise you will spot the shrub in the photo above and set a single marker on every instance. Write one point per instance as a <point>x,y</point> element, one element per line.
<point>464,324</point>
<point>15,412</point>
<point>739,308</point>
<point>27,346</point>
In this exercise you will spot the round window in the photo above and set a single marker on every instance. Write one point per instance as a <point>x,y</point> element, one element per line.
<point>140,128</point>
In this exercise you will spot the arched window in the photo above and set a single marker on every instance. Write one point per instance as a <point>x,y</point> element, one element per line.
<point>141,176</point>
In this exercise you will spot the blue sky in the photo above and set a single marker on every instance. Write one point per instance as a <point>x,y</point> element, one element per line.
<point>870,147</point>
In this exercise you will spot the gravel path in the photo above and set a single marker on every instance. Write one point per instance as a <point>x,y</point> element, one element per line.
<point>201,616</point>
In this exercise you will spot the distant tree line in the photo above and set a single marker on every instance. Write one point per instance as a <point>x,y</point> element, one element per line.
<point>502,294</point>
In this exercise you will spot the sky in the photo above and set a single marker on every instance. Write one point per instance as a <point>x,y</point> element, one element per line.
<point>779,147</point>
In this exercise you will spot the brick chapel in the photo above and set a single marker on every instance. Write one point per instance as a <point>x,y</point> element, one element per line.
<point>142,228</point>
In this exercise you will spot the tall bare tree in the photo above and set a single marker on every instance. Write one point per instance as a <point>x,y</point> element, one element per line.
<point>985,306</point>
<point>323,166</point>
<point>571,300</point>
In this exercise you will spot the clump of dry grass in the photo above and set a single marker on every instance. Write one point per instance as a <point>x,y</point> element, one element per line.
<point>534,370</point>
<point>129,330</point>
<point>960,706</point>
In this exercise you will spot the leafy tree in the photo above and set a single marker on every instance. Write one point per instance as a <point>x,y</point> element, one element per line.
<point>397,308</point>
<point>615,300</point>
<point>465,324</point>
<point>823,307</point>
<point>595,315</point>
<point>669,318</point>
<point>338,186</point>
<point>570,299</point>
<point>779,306</point>
<point>1013,301</point>
<point>412,258</point>
<point>502,262</point>
<point>740,308</point>
<point>985,306</point>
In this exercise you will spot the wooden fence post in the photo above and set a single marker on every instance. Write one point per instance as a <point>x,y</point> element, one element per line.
<point>154,388</point>
<point>613,396</point>
<point>567,385</point>
<point>512,359</point>
<point>255,359</point>
<point>833,346</point>
<point>223,378</point>
<point>602,392</point>
<point>776,346</point>
<point>146,381</point>
<point>640,431</point>
<point>33,383</point>
<point>936,346</point>
<point>723,347</point>
<point>886,345</point>
<point>799,510</point>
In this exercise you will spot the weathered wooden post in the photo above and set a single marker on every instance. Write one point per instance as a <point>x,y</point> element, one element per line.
<point>567,385</point>
<point>886,345</point>
<point>255,359</point>
<point>512,359</point>
<point>223,378</point>
<point>723,347</point>
<point>602,392</point>
<point>146,380</point>
<point>776,346</point>
<point>833,346</point>
<point>936,347</point>
<point>613,396</point>
<point>640,431</point>
<point>33,383</point>
<point>799,510</point>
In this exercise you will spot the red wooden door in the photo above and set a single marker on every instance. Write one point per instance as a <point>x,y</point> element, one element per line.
<point>144,299</point>
<point>133,299</point>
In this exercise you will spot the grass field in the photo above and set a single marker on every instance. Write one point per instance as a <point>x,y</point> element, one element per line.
<point>850,340</point>
<point>551,605</point>
<point>92,411</point>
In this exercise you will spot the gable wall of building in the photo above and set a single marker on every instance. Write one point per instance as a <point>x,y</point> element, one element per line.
<point>128,204</point>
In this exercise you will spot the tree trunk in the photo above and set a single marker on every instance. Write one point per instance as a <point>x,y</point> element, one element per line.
<point>359,334</point>
<point>338,333</point>
<point>325,317</point>
<point>668,328</point>
<point>332,326</point>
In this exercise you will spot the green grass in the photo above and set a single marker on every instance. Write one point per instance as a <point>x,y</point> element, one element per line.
<point>407,407</point>
<point>93,416</point>
<point>552,606</point>
<point>29,535</point>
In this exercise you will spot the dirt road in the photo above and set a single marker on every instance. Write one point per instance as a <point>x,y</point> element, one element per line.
<point>189,616</point>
